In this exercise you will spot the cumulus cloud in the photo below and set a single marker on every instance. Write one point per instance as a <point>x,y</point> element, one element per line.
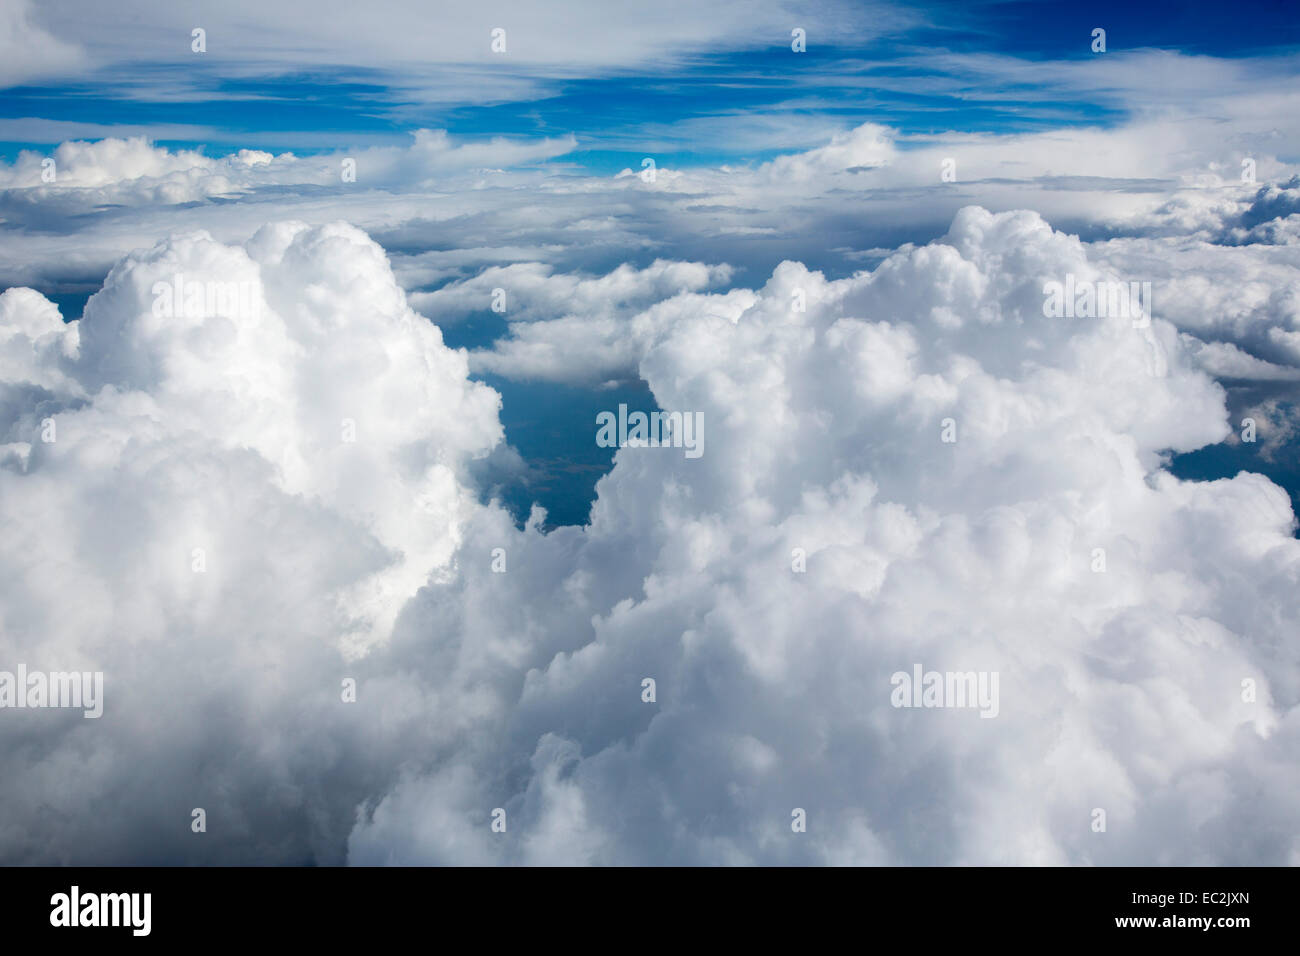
<point>1121,689</point>
<point>579,257</point>
<point>840,206</point>
<point>80,178</point>
<point>590,329</point>
<point>1236,305</point>
<point>219,507</point>
<point>1246,296</point>
<point>512,679</point>
<point>865,147</point>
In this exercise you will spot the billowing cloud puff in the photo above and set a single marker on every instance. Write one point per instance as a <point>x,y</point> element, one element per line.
<point>864,147</point>
<point>34,341</point>
<point>223,484</point>
<point>909,466</point>
<point>80,177</point>
<point>1246,295</point>
<point>1122,609</point>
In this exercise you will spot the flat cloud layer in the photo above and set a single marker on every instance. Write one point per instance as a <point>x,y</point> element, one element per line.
<point>226,429</point>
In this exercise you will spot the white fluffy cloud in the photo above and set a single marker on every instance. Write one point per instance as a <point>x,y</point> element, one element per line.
<point>538,294</point>
<point>1119,690</point>
<point>461,205</point>
<point>224,430</point>
<point>87,175</point>
<point>238,499</point>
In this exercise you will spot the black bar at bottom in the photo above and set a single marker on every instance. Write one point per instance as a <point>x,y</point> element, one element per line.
<point>333,906</point>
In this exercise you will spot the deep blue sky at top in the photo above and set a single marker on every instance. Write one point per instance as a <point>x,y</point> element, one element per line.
<point>831,85</point>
